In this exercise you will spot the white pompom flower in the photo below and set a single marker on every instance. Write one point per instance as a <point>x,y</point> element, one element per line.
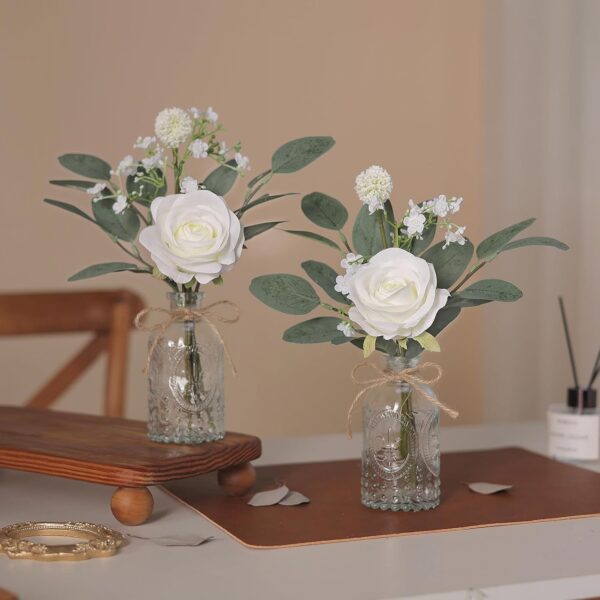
<point>195,236</point>
<point>173,126</point>
<point>373,187</point>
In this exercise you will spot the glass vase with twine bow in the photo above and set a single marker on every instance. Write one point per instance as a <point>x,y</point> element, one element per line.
<point>185,369</point>
<point>401,448</point>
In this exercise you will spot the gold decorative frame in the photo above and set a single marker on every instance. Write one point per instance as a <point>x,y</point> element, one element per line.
<point>99,541</point>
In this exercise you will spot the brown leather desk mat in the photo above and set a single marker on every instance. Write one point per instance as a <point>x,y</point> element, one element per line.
<point>543,490</point>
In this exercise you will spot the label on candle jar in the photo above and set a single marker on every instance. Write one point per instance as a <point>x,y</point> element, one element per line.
<point>572,435</point>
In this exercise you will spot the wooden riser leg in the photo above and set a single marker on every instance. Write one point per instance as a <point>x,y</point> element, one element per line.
<point>237,480</point>
<point>132,506</point>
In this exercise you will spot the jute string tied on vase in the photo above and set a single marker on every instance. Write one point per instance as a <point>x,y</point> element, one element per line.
<point>206,314</point>
<point>411,375</point>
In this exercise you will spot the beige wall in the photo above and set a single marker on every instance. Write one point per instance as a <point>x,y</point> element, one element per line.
<point>396,83</point>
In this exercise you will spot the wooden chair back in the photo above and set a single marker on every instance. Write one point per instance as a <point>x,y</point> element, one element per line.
<point>108,314</point>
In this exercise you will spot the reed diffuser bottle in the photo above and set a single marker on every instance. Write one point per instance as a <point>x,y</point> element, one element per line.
<point>574,427</point>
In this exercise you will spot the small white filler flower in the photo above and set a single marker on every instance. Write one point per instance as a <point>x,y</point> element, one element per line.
<point>243,162</point>
<point>414,221</point>
<point>96,189</point>
<point>189,185</point>
<point>199,149</point>
<point>211,115</point>
<point>173,126</point>
<point>346,328</point>
<point>373,187</point>
<point>455,237</point>
<point>120,204</point>
<point>127,166</point>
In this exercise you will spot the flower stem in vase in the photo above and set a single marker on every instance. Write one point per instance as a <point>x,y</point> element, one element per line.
<point>407,429</point>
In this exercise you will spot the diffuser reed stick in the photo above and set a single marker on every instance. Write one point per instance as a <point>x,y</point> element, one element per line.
<point>568,338</point>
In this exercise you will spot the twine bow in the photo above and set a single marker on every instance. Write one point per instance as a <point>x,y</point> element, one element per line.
<point>409,375</point>
<point>186,314</point>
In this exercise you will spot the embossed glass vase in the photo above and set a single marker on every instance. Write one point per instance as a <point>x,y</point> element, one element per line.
<point>401,450</point>
<point>185,375</point>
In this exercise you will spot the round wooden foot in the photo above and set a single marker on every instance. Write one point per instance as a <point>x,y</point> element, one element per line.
<point>132,506</point>
<point>237,480</point>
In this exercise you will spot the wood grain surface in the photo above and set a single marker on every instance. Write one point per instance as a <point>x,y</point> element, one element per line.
<point>108,450</point>
<point>543,490</point>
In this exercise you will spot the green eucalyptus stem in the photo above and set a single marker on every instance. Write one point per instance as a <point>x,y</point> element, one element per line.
<point>177,170</point>
<point>339,311</point>
<point>140,214</point>
<point>381,219</point>
<point>344,240</point>
<point>468,276</point>
<point>255,185</point>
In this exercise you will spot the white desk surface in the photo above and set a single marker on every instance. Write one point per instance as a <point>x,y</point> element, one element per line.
<point>549,561</point>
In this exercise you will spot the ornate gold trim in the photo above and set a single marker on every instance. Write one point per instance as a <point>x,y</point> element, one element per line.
<point>100,541</point>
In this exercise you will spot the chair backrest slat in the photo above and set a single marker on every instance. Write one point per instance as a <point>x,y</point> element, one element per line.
<point>108,314</point>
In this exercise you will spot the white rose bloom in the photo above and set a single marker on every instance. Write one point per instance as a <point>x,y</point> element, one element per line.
<point>395,295</point>
<point>195,236</point>
<point>373,187</point>
<point>173,126</point>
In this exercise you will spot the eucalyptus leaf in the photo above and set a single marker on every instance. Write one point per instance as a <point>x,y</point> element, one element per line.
<point>261,200</point>
<point>70,208</point>
<point>366,233</point>
<point>489,248</point>
<point>294,499</point>
<point>389,210</point>
<point>324,276</point>
<point>324,211</point>
<point>86,165</point>
<point>486,489</point>
<point>297,154</point>
<point>449,263</point>
<point>251,231</point>
<point>314,236</point>
<point>535,241</point>
<point>269,497</point>
<point>491,289</point>
<point>103,269</point>
<point>74,184</point>
<point>313,331</point>
<point>145,191</point>
<point>287,293</point>
<point>124,225</point>
<point>419,246</point>
<point>221,180</point>
<point>457,301</point>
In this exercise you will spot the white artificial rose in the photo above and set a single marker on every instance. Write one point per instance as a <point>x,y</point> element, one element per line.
<point>395,295</point>
<point>194,235</point>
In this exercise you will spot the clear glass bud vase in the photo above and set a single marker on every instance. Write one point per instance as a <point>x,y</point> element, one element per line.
<point>185,376</point>
<point>401,449</point>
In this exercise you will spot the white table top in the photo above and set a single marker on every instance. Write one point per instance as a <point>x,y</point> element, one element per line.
<point>550,561</point>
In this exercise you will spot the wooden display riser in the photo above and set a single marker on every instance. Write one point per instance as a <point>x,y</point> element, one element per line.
<point>117,452</point>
